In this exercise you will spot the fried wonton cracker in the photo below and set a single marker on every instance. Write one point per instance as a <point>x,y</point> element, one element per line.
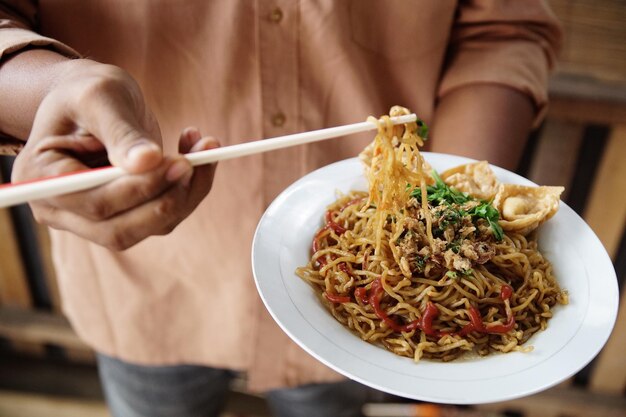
<point>476,179</point>
<point>522,209</point>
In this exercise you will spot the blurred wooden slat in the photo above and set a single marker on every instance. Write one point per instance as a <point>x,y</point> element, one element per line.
<point>244,404</point>
<point>38,327</point>
<point>43,240</point>
<point>589,111</point>
<point>47,376</point>
<point>556,154</point>
<point>609,374</point>
<point>606,210</point>
<point>16,404</point>
<point>14,289</point>
<point>80,355</point>
<point>540,413</point>
<point>595,37</point>
<point>585,99</point>
<point>570,402</point>
<point>10,146</point>
<point>577,87</point>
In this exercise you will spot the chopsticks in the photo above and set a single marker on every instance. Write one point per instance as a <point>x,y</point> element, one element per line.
<point>22,192</point>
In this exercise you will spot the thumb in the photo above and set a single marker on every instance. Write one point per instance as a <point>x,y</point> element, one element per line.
<point>129,146</point>
<point>115,110</point>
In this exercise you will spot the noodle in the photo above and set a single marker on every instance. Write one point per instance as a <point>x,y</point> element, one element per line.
<point>423,269</point>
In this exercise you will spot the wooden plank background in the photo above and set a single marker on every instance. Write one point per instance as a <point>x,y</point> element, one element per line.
<point>595,41</point>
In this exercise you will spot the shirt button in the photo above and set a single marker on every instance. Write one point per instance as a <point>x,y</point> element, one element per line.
<point>279,119</point>
<point>276,15</point>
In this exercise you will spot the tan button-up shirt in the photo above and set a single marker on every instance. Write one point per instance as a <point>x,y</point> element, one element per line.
<point>243,70</point>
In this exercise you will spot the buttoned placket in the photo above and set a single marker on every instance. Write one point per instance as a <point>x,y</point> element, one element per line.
<point>278,64</point>
<point>278,43</point>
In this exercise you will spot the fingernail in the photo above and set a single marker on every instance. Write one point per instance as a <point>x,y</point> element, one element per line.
<point>193,133</point>
<point>139,149</point>
<point>178,170</point>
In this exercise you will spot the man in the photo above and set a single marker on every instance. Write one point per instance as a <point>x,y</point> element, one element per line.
<point>153,275</point>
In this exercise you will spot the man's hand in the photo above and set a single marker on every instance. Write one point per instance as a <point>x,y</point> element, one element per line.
<point>96,112</point>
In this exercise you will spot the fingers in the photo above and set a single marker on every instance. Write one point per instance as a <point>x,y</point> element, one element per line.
<point>188,138</point>
<point>120,214</point>
<point>154,217</point>
<point>125,193</point>
<point>192,141</point>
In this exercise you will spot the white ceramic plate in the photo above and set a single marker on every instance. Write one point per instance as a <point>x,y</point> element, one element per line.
<point>574,336</point>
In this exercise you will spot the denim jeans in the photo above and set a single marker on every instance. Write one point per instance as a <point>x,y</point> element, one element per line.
<point>198,391</point>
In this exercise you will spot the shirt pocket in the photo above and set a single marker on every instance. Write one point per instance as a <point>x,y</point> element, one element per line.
<point>393,29</point>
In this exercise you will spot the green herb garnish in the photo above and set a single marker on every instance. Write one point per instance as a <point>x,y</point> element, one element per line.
<point>488,212</point>
<point>422,129</point>
<point>441,193</point>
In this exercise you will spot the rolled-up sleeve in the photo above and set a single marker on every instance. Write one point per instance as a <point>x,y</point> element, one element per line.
<point>507,42</point>
<point>18,25</point>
